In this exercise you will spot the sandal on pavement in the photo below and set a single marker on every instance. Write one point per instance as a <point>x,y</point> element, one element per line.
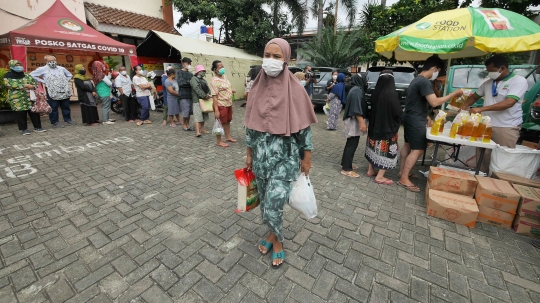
<point>224,145</point>
<point>351,174</point>
<point>139,123</point>
<point>411,188</point>
<point>268,246</point>
<point>368,175</point>
<point>147,122</point>
<point>279,255</point>
<point>232,140</point>
<point>385,182</point>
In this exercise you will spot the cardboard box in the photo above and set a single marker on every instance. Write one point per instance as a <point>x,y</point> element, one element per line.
<point>516,179</point>
<point>526,226</point>
<point>530,144</point>
<point>497,194</point>
<point>495,217</point>
<point>452,181</point>
<point>451,207</point>
<point>530,202</point>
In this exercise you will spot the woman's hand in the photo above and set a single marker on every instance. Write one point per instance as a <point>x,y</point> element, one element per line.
<point>249,161</point>
<point>29,86</point>
<point>305,166</point>
<point>216,114</point>
<point>363,127</point>
<point>94,94</point>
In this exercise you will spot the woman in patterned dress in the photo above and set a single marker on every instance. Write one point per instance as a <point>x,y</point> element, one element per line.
<point>278,119</point>
<point>337,98</point>
<point>384,122</point>
<point>19,84</point>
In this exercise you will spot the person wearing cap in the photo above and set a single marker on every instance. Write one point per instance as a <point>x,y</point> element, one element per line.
<point>183,77</point>
<point>199,90</point>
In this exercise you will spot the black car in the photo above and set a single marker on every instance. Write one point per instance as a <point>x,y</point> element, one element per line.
<point>323,74</point>
<point>403,76</point>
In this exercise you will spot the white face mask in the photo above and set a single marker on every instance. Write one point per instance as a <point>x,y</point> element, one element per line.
<point>435,75</point>
<point>123,73</point>
<point>334,77</point>
<point>272,67</point>
<point>303,82</point>
<point>140,72</point>
<point>188,67</point>
<point>494,75</point>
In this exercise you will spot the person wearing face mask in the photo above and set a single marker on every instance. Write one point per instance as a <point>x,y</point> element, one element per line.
<point>332,82</point>
<point>56,78</point>
<point>171,86</point>
<point>503,97</point>
<point>125,88</point>
<point>18,85</point>
<point>86,92</point>
<point>200,90</point>
<point>310,80</point>
<point>301,77</point>
<point>222,93</point>
<point>415,119</point>
<point>183,77</point>
<point>142,88</point>
<point>278,125</point>
<point>100,74</point>
<point>337,98</point>
<point>252,75</point>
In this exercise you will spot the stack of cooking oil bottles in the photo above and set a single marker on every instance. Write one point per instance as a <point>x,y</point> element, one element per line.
<point>472,127</point>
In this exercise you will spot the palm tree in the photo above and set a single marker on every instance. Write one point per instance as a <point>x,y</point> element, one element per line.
<point>297,9</point>
<point>317,9</point>
<point>338,50</point>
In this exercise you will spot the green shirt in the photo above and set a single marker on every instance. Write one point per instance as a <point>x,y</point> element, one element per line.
<point>103,90</point>
<point>17,96</point>
<point>277,157</point>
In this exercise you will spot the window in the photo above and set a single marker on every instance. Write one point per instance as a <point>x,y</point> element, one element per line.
<point>470,77</point>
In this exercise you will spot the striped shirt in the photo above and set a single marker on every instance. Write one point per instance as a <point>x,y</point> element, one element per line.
<point>222,88</point>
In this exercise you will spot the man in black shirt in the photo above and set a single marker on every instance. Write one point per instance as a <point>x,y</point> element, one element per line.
<point>416,118</point>
<point>183,77</point>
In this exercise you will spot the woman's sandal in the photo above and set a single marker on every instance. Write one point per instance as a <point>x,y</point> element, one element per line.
<point>268,246</point>
<point>279,255</point>
<point>411,188</point>
<point>139,123</point>
<point>351,174</point>
<point>384,182</point>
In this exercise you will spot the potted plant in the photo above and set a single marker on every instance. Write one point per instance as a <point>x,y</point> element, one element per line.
<point>6,114</point>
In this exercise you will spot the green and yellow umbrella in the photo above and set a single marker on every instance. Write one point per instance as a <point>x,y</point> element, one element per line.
<point>461,33</point>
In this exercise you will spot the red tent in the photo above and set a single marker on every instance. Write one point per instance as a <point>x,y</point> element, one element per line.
<point>59,29</point>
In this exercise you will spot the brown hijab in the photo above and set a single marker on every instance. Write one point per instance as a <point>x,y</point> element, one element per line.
<point>279,105</point>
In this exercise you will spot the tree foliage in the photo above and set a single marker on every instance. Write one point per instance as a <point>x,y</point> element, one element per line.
<point>244,23</point>
<point>336,50</point>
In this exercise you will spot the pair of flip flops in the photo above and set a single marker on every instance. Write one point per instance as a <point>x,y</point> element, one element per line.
<point>279,255</point>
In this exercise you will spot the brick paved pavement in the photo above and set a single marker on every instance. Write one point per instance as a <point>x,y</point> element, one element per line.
<point>152,220</point>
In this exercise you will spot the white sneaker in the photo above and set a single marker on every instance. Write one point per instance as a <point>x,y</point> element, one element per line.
<point>108,123</point>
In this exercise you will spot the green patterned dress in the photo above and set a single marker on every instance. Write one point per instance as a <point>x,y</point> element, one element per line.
<point>276,164</point>
<point>18,97</point>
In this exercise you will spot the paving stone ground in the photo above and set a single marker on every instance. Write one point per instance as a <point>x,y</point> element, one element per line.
<point>146,214</point>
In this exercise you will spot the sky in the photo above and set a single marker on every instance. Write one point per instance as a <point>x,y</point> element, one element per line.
<point>192,29</point>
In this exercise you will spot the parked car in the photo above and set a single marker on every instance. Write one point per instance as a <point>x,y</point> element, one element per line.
<point>323,74</point>
<point>472,76</point>
<point>403,77</point>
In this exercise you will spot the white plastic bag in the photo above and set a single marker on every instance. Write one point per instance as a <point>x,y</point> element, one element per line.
<point>520,161</point>
<point>152,104</point>
<point>218,128</point>
<point>302,197</point>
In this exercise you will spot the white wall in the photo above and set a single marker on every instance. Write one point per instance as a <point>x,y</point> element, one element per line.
<point>145,7</point>
<point>16,13</point>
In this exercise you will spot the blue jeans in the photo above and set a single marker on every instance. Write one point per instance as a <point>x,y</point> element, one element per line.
<point>106,107</point>
<point>64,105</point>
<point>145,107</point>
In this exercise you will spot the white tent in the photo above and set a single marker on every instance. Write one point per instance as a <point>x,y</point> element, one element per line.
<point>236,61</point>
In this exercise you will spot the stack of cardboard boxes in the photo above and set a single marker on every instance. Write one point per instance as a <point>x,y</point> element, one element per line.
<point>514,204</point>
<point>449,196</point>
<point>497,201</point>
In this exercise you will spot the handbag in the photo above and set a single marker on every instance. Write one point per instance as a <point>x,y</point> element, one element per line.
<point>41,105</point>
<point>207,106</point>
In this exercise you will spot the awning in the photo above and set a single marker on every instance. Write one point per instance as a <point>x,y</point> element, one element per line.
<point>58,28</point>
<point>152,47</point>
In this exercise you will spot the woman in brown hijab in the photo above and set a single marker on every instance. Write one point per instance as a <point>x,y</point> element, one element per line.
<point>278,119</point>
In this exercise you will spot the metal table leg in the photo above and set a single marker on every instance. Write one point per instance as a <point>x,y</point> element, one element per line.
<point>434,161</point>
<point>479,164</point>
